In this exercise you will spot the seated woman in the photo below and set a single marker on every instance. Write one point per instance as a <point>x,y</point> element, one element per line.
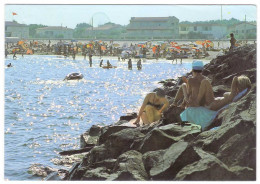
<point>153,106</point>
<point>207,96</point>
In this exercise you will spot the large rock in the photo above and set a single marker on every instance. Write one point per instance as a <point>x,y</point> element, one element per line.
<point>237,150</point>
<point>107,131</point>
<point>156,140</point>
<point>122,141</point>
<point>99,174</point>
<point>41,170</point>
<point>100,153</point>
<point>131,165</point>
<point>237,62</point>
<point>163,137</point>
<point>129,116</point>
<point>165,164</point>
<point>208,168</point>
<point>90,137</point>
<point>214,139</point>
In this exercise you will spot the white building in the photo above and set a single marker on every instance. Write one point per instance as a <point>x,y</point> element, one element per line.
<point>244,30</point>
<point>14,29</point>
<point>153,27</point>
<point>55,32</point>
<point>208,31</point>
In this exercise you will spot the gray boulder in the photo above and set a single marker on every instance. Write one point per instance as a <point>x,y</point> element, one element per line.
<point>130,166</point>
<point>208,168</point>
<point>164,165</point>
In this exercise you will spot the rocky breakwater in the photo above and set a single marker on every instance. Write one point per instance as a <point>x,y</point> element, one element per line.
<point>172,150</point>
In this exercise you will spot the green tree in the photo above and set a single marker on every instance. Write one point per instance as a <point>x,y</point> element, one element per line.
<point>79,31</point>
<point>32,29</point>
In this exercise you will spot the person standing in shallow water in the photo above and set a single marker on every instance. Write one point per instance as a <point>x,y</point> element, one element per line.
<point>14,56</point>
<point>90,59</point>
<point>139,64</point>
<point>6,53</point>
<point>130,64</point>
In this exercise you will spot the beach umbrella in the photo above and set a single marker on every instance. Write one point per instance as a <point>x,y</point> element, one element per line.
<point>20,42</point>
<point>29,51</point>
<point>199,42</point>
<point>116,45</point>
<point>208,43</point>
<point>173,43</point>
<point>177,47</point>
<point>15,49</point>
<point>103,48</point>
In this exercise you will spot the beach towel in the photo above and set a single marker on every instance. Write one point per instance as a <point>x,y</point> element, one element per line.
<point>203,116</point>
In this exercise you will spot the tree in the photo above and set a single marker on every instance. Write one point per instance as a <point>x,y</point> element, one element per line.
<point>79,31</point>
<point>32,29</point>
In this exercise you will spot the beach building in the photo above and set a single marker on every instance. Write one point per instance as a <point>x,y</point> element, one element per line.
<point>55,32</point>
<point>244,30</point>
<point>153,28</point>
<point>108,29</point>
<point>14,29</point>
<point>202,30</point>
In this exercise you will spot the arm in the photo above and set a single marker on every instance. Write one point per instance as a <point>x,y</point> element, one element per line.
<point>165,105</point>
<point>187,91</point>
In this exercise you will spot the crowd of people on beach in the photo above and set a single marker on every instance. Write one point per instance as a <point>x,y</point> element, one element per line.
<point>169,50</point>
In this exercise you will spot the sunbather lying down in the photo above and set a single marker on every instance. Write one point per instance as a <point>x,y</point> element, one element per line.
<point>206,93</point>
<point>204,116</point>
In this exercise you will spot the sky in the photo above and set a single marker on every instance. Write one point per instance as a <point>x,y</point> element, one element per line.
<point>71,15</point>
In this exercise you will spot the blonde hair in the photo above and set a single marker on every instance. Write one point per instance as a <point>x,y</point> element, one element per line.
<point>243,82</point>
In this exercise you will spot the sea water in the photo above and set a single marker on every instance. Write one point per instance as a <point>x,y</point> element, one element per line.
<point>45,114</point>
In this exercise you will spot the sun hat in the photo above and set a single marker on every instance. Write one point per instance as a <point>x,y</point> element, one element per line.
<point>197,65</point>
<point>159,92</point>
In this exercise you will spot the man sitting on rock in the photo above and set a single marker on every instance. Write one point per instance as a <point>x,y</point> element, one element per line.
<point>188,92</point>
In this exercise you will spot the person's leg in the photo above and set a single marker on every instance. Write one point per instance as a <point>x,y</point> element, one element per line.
<point>179,95</point>
<point>152,114</point>
<point>144,118</point>
<point>149,112</point>
<point>228,97</point>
